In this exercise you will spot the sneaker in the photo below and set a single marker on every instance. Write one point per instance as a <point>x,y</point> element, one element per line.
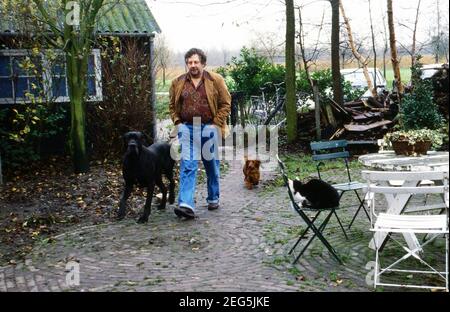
<point>184,212</point>
<point>213,206</point>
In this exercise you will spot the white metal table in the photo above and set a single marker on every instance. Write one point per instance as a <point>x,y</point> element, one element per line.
<point>389,161</point>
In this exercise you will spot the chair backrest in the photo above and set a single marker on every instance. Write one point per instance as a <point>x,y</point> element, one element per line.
<point>294,204</point>
<point>330,150</point>
<point>286,181</point>
<point>379,182</point>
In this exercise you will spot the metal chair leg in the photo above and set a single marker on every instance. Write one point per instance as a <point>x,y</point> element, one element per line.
<point>361,205</point>
<point>340,224</point>
<point>304,233</point>
<point>318,233</point>
<point>355,215</point>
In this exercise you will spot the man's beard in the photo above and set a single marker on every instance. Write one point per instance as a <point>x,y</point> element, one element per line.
<point>195,73</point>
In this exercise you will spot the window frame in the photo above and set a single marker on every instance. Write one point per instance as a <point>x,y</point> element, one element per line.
<point>19,53</point>
<point>48,81</point>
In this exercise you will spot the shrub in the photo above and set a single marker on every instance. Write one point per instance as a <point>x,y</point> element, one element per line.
<point>126,96</point>
<point>249,72</point>
<point>418,110</point>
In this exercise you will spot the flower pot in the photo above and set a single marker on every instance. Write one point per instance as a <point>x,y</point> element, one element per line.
<point>421,148</point>
<point>405,148</point>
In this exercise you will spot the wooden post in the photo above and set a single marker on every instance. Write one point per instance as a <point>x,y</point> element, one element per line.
<point>154,128</point>
<point>1,176</point>
<point>242,114</point>
<point>317,110</point>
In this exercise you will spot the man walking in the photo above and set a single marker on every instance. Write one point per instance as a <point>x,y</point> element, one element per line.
<point>199,106</point>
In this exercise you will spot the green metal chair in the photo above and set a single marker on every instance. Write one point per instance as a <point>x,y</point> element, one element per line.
<point>309,222</point>
<point>331,150</point>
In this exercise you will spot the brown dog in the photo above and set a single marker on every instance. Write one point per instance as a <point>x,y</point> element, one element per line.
<point>251,172</point>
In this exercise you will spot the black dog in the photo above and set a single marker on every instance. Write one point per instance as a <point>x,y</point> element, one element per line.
<point>319,194</point>
<point>144,166</point>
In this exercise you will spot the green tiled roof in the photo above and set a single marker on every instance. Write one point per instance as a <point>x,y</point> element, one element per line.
<point>121,17</point>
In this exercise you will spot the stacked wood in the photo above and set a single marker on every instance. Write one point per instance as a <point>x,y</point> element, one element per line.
<point>363,120</point>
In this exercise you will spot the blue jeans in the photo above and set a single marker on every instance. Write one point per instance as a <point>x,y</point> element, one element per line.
<point>198,143</point>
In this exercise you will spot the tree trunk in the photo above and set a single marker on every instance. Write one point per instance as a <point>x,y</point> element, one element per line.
<point>164,76</point>
<point>76,73</point>
<point>413,48</point>
<point>76,41</point>
<point>338,95</point>
<point>394,56</point>
<point>291,109</point>
<point>374,49</point>
<point>335,57</point>
<point>355,51</point>
<point>438,38</point>
<point>302,47</point>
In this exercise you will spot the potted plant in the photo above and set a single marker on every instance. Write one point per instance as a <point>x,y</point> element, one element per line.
<point>414,142</point>
<point>419,120</point>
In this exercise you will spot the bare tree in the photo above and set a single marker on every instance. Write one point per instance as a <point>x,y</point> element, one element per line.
<point>268,45</point>
<point>357,55</point>
<point>385,45</point>
<point>308,58</point>
<point>414,48</point>
<point>346,53</point>
<point>394,56</point>
<point>163,56</point>
<point>438,35</point>
<point>374,48</point>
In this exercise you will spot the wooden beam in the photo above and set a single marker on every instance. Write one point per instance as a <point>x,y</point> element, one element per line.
<point>362,128</point>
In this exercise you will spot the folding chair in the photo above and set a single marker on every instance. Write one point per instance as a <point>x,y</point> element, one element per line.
<point>309,222</point>
<point>383,224</point>
<point>332,150</point>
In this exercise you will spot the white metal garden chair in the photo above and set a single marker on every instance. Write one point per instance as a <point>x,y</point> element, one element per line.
<point>393,219</point>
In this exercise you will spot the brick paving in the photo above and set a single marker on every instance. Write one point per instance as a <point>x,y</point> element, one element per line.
<point>241,247</point>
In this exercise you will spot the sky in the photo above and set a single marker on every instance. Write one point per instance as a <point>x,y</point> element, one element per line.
<point>231,24</point>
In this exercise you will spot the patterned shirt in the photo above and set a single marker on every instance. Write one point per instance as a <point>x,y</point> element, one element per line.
<point>195,101</point>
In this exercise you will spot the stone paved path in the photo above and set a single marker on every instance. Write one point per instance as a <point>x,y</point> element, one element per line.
<point>241,247</point>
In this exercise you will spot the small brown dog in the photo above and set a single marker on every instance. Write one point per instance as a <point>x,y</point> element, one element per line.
<point>251,172</point>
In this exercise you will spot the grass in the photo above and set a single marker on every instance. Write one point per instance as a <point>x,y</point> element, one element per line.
<point>162,99</point>
<point>405,74</point>
<point>303,167</point>
<point>160,87</point>
<point>162,107</point>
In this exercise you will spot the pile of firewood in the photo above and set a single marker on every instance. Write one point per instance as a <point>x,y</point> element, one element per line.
<point>362,120</point>
<point>369,120</point>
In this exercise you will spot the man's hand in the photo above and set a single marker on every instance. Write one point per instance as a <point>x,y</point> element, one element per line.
<point>174,133</point>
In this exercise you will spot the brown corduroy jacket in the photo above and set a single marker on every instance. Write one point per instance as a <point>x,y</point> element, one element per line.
<point>219,99</point>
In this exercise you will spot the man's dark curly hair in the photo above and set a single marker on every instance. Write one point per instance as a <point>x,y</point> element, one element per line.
<point>194,51</point>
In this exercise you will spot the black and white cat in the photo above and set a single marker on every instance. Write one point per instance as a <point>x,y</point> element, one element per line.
<point>316,194</point>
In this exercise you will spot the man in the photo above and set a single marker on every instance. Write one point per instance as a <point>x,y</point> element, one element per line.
<point>199,106</point>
